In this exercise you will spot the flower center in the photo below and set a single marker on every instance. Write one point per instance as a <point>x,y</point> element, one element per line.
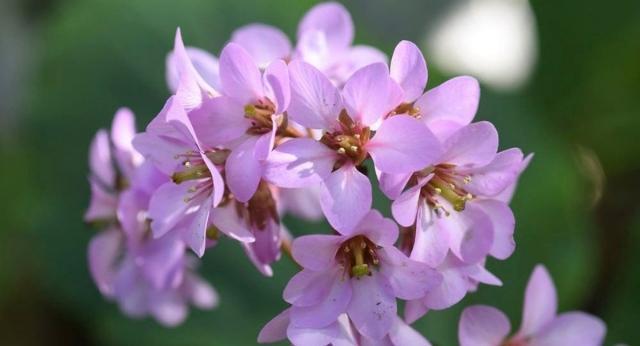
<point>194,166</point>
<point>260,115</point>
<point>447,184</point>
<point>407,108</point>
<point>348,141</point>
<point>358,256</point>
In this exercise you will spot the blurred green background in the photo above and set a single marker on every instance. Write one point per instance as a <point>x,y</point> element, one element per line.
<point>67,65</point>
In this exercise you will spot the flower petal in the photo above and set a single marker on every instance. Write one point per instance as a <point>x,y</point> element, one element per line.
<point>315,102</point>
<point>331,19</point>
<point>197,230</point>
<point>316,252</point>
<point>200,293</point>
<point>243,171</point>
<point>264,43</point>
<point>104,250</point>
<point>413,310</point>
<point>191,86</point>
<point>473,145</point>
<point>392,184</point>
<point>276,329</point>
<point>409,70</point>
<point>540,302</point>
<point>239,75</point>
<point>167,207</point>
<point>402,334</point>
<point>100,161</point>
<point>276,83</point>
<point>227,220</point>
<point>205,64</point>
<point>455,100</point>
<point>345,198</point>
<point>571,328</point>
<point>482,325</point>
<point>219,121</point>
<point>403,145</point>
<point>370,94</point>
<point>409,279</point>
<point>373,306</point>
<point>308,287</point>
<point>380,230</point>
<point>299,162</point>
<point>431,244</point>
<point>453,288</point>
<point>405,207</point>
<point>470,233</point>
<point>499,174</point>
<point>103,204</point>
<point>123,129</point>
<point>326,312</point>
<point>503,226</point>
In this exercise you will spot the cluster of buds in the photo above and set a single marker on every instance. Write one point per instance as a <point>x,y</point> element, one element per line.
<point>268,129</point>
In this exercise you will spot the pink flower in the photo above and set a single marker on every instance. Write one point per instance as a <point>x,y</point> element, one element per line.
<point>400,144</point>
<point>482,325</point>
<point>196,186</point>
<point>360,274</point>
<point>342,332</point>
<point>112,161</point>
<point>458,278</point>
<point>246,117</point>
<point>325,37</point>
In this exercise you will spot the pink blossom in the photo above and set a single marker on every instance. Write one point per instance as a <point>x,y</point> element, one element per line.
<point>360,274</point>
<point>342,332</point>
<point>400,144</point>
<point>541,325</point>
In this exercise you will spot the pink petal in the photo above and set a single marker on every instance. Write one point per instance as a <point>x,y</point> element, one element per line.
<point>431,244</point>
<point>103,253</point>
<point>316,252</point>
<point>507,194</point>
<point>326,312</point>
<point>100,161</point>
<point>333,21</point>
<point>392,184</point>
<point>345,198</point>
<point>402,334</point>
<point>503,226</point>
<point>540,302</point>
<point>191,86</point>
<point>453,288</point>
<point>201,293</point>
<point>455,100</point>
<point>265,142</point>
<point>263,268</point>
<point>409,70</point>
<point>103,203</point>
<point>499,174</point>
<point>405,207</point>
<point>160,151</point>
<point>276,329</point>
<point>474,144</point>
<point>414,310</point>
<point>355,58</point>
<point>264,43</point>
<point>308,288</point>
<point>409,279</point>
<point>470,233</point>
<point>123,129</point>
<point>216,180</point>
<point>373,306</point>
<point>380,230</point>
<point>299,162</point>
<point>276,83</point>
<point>219,121</point>
<point>266,249</point>
<point>370,94</point>
<point>197,230</point>
<point>338,333</point>
<point>243,171</point>
<point>240,77</point>
<point>229,222</point>
<point>168,308</point>
<point>303,203</point>
<point>168,207</point>
<point>403,145</point>
<point>482,325</point>
<point>205,64</point>
<point>571,328</point>
<point>315,102</point>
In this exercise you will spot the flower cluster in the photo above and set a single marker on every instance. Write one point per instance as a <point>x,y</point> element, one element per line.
<point>269,129</point>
